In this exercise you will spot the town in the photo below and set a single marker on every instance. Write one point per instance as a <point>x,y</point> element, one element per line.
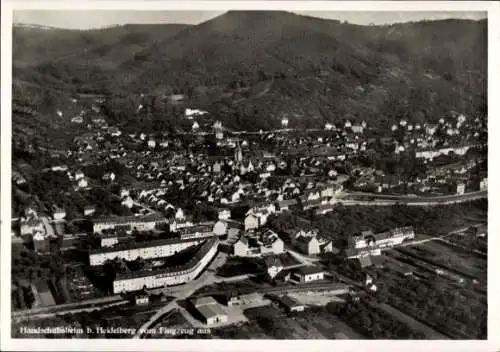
<point>248,175</point>
<point>205,228</point>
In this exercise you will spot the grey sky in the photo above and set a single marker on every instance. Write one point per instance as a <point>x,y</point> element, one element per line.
<point>84,19</point>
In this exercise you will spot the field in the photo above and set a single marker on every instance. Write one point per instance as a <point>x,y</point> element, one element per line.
<point>450,258</point>
<point>272,323</point>
<point>472,243</point>
<point>445,291</point>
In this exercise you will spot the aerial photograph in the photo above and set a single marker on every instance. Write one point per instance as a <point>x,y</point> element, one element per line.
<point>249,174</point>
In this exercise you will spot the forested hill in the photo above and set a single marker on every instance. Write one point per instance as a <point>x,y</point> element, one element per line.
<point>249,68</point>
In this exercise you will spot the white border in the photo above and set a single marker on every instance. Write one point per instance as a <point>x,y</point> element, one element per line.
<point>493,343</point>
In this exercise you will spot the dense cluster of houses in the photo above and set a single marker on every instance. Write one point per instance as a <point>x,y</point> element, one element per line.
<point>302,172</point>
<point>258,242</point>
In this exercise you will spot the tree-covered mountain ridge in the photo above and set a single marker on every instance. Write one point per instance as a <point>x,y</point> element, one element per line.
<point>249,68</point>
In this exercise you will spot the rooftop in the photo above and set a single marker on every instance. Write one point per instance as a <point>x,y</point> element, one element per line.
<point>137,245</point>
<point>204,301</point>
<point>210,311</point>
<point>288,302</point>
<point>309,269</point>
<point>172,270</point>
<point>129,219</point>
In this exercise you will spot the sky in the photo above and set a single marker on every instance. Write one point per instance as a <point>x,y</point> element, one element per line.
<point>89,19</point>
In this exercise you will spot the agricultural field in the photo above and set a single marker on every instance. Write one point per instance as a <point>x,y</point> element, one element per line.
<point>472,243</point>
<point>450,258</point>
<point>273,323</point>
<point>337,320</point>
<point>456,309</point>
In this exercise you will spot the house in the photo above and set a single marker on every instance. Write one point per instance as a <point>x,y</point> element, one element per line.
<point>224,214</point>
<point>285,204</point>
<point>195,126</point>
<point>289,304</point>
<point>77,119</point>
<point>81,184</point>
<point>216,168</point>
<point>243,300</point>
<point>272,264</point>
<point>79,175</point>
<point>40,242</point>
<point>59,168</point>
<point>240,247</point>
<point>109,176</point>
<point>141,299</point>
<point>220,228</point>
<point>329,127</point>
<point>109,240</point>
<point>460,189</point>
<point>179,214</point>
<point>308,245</point>
<point>189,113</point>
<point>326,247</point>
<point>128,202</point>
<point>115,132</point>
<point>30,226</point>
<point>483,184</point>
<point>251,222</point>
<point>383,239</point>
<point>284,122</point>
<point>58,213</point>
<point>151,143</point>
<point>357,129</point>
<point>210,310</point>
<point>88,210</point>
<point>258,243</point>
<point>365,261</point>
<point>307,274</point>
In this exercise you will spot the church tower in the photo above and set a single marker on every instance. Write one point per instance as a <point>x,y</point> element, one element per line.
<point>238,154</point>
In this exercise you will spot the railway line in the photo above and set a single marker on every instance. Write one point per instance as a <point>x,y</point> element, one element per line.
<point>282,289</point>
<point>431,265</point>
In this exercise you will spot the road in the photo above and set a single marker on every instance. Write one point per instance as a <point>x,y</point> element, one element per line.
<point>384,199</point>
<point>42,315</point>
<point>278,130</point>
<point>338,287</point>
<point>182,292</point>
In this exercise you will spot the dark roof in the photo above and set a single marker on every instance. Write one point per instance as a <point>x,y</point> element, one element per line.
<point>309,269</point>
<point>302,240</point>
<point>155,243</point>
<point>382,236</point>
<point>350,251</point>
<point>271,260</point>
<point>128,219</point>
<point>287,202</point>
<point>365,261</point>
<point>377,260</point>
<point>367,233</point>
<point>288,302</point>
<point>194,229</point>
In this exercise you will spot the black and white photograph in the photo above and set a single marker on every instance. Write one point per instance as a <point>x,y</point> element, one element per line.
<point>222,173</point>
